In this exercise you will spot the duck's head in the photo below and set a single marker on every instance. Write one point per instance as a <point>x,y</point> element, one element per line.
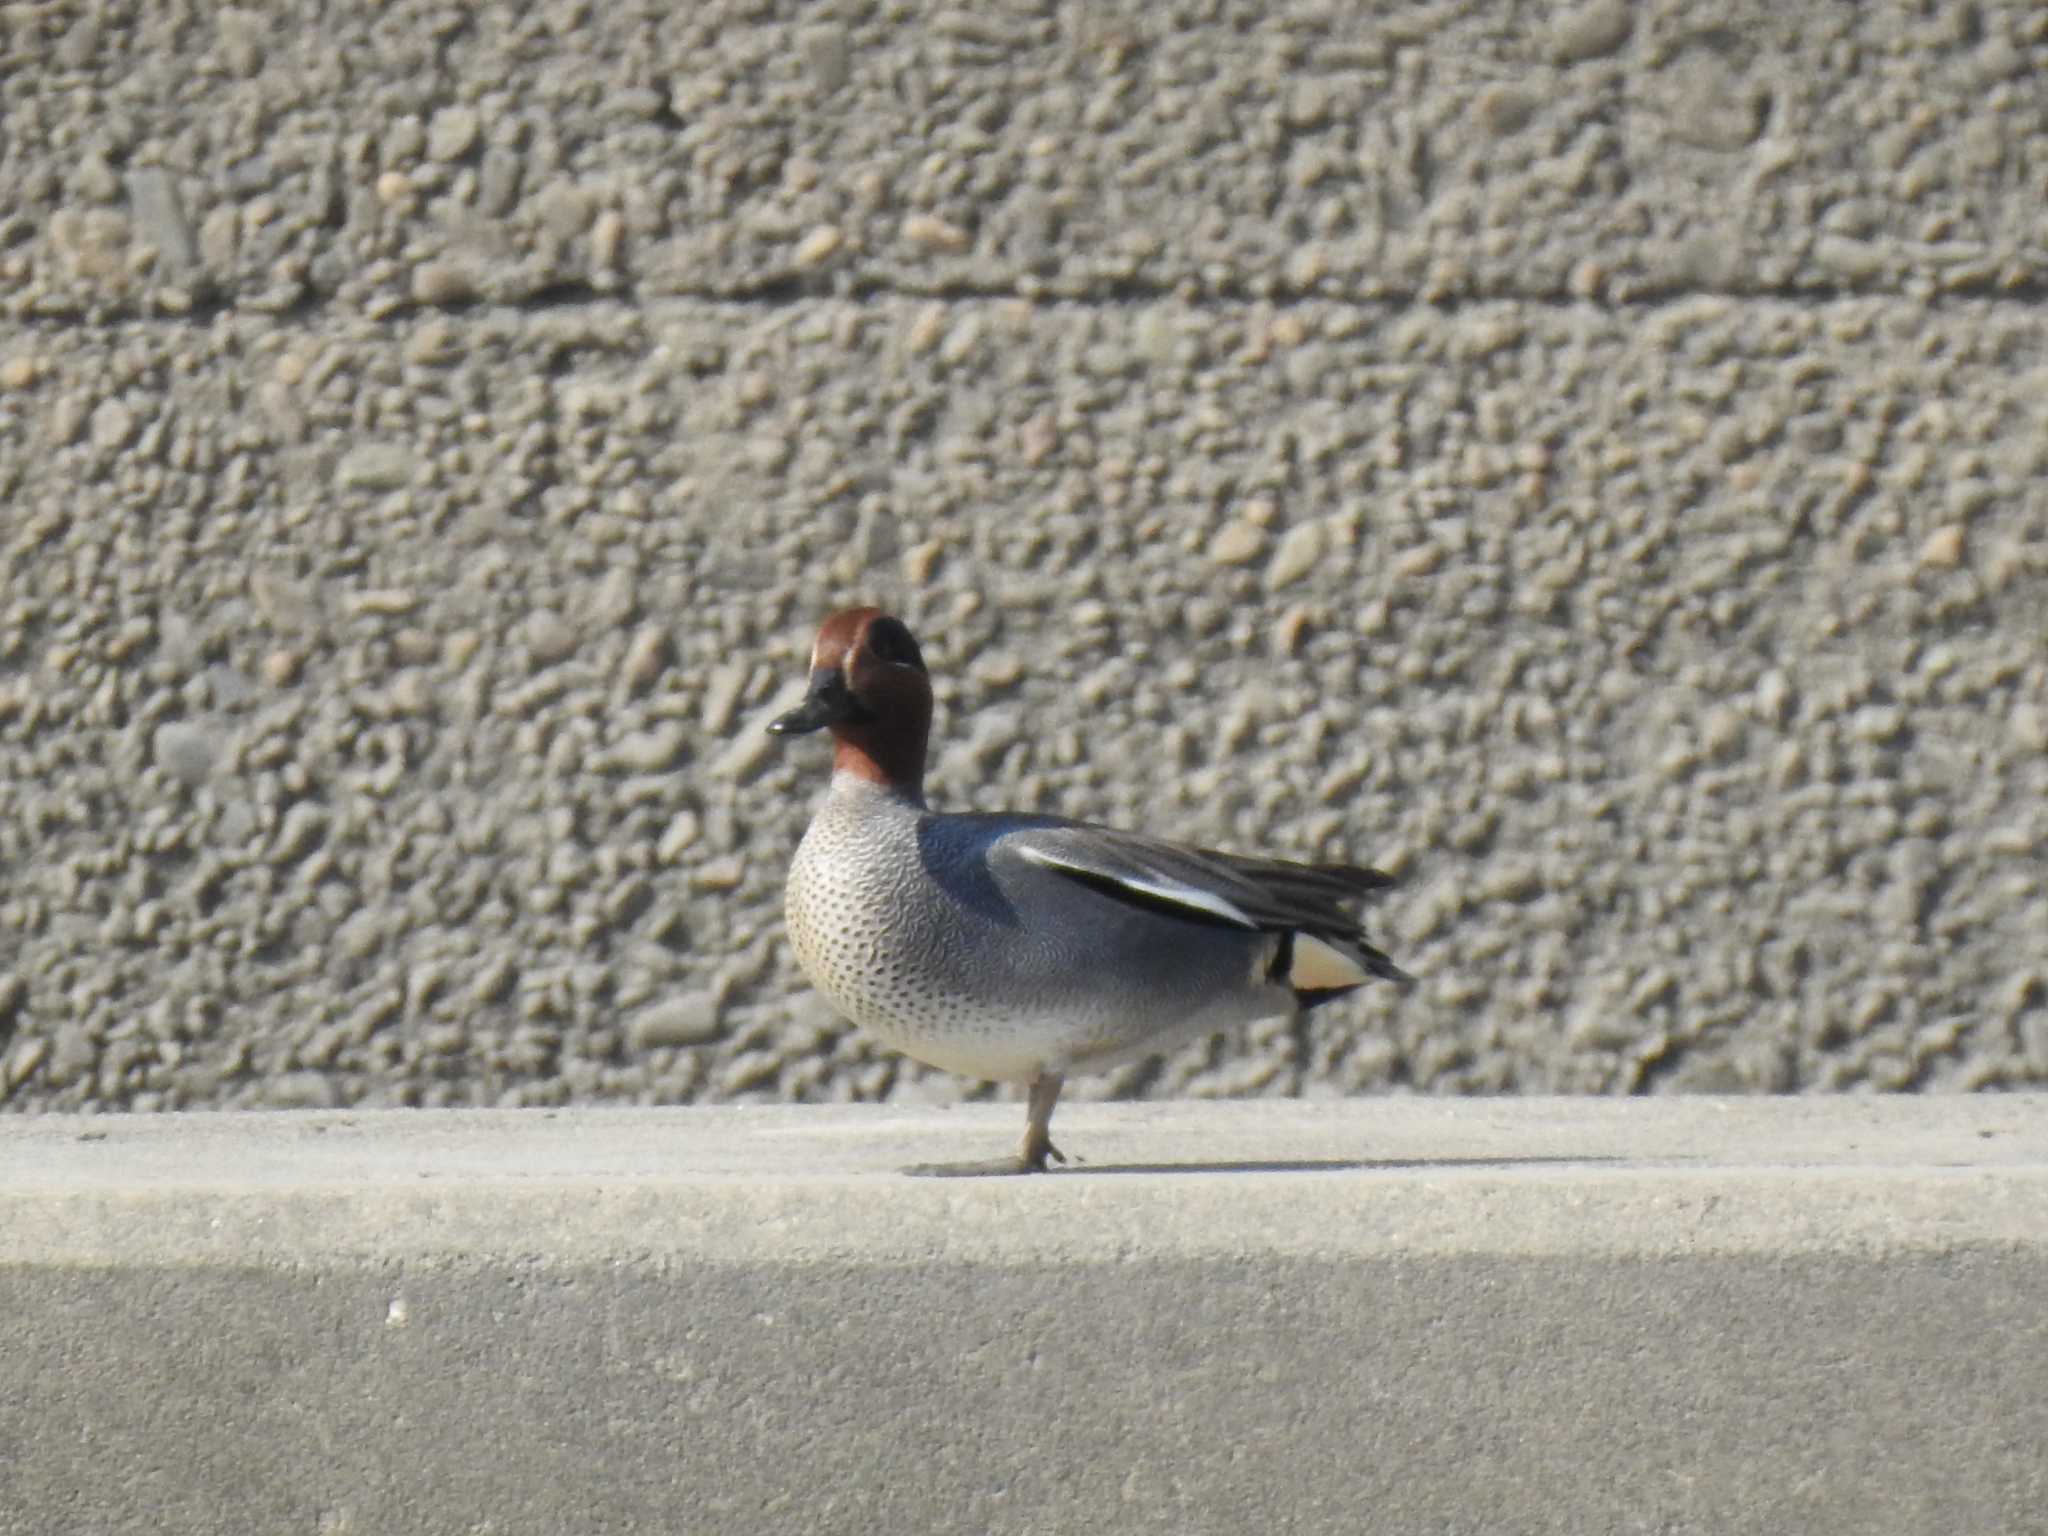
<point>868,688</point>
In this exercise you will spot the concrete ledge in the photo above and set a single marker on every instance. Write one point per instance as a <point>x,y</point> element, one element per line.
<point>1583,1316</point>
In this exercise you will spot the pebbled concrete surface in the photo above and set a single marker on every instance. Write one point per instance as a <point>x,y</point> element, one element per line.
<point>1588,461</point>
<point>424,155</point>
<point>1569,1316</point>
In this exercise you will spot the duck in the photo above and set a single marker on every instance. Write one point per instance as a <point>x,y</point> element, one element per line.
<point>1022,948</point>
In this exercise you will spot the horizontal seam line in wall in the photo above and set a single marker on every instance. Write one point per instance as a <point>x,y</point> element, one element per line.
<point>1117,296</point>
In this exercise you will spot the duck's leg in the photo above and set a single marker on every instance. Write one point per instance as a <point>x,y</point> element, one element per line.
<point>1045,1093</point>
<point>1031,1156</point>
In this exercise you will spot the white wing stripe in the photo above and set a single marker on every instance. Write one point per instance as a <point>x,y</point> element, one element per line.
<point>1145,883</point>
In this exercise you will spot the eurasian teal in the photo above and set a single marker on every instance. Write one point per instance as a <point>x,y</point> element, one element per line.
<point>1022,948</point>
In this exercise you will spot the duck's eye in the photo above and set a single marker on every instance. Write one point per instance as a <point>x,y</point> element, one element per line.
<point>889,641</point>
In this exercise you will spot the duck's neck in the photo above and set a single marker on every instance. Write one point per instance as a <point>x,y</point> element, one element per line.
<point>893,763</point>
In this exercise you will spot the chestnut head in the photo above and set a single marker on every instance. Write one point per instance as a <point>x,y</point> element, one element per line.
<point>869,688</point>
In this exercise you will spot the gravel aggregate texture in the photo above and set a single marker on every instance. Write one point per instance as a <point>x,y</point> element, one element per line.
<point>1590,462</point>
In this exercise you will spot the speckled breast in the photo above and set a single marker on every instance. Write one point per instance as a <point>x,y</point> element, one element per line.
<point>870,936</point>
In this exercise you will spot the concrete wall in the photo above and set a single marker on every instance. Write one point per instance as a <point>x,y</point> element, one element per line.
<point>1818,1315</point>
<point>1589,459</point>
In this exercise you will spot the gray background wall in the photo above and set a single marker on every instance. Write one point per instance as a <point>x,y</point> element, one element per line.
<point>1588,459</point>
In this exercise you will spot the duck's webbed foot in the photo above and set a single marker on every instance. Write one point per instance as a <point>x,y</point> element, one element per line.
<point>1031,1157</point>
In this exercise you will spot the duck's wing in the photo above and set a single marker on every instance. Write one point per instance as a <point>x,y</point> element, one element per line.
<point>1243,891</point>
<point>1322,952</point>
<point>1160,876</point>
